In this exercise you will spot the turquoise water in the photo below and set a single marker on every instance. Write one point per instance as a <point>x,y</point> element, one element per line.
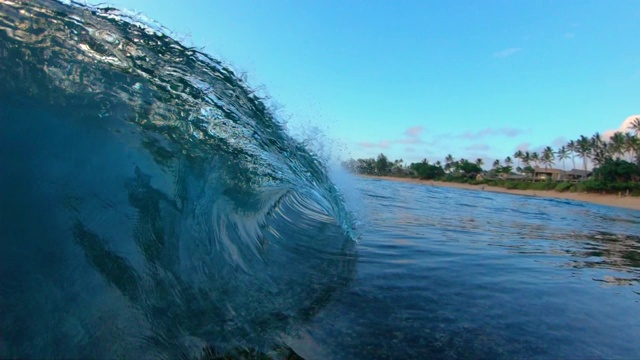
<point>450,273</point>
<point>153,206</point>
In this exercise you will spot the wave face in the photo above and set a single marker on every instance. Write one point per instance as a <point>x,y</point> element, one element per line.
<point>151,204</point>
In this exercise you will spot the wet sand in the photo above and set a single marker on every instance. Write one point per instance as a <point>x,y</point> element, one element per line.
<point>628,202</point>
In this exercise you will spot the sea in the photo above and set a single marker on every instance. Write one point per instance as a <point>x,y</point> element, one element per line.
<point>447,273</point>
<point>154,206</point>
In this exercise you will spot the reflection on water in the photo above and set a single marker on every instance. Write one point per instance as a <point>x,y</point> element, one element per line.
<point>608,251</point>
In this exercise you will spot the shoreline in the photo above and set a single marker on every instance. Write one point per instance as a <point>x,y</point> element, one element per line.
<point>626,202</point>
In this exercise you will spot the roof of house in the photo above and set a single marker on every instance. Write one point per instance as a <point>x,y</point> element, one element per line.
<point>548,171</point>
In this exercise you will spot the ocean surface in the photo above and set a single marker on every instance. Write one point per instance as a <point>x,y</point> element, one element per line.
<point>460,274</point>
<point>152,205</point>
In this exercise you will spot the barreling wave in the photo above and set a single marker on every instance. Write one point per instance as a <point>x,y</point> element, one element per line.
<point>152,205</point>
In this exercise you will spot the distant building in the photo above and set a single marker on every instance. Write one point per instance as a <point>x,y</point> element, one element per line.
<point>548,174</point>
<point>576,174</point>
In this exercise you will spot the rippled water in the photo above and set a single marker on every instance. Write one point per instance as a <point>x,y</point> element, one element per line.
<point>152,206</point>
<point>450,273</point>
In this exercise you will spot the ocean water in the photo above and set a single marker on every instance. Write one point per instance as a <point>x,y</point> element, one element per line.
<point>454,274</point>
<point>152,206</point>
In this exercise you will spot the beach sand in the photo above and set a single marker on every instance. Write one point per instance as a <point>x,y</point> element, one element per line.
<point>628,202</point>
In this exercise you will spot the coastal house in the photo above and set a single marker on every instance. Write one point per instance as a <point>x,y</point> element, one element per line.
<point>548,174</point>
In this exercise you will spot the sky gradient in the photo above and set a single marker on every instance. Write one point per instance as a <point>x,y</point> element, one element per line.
<point>422,79</point>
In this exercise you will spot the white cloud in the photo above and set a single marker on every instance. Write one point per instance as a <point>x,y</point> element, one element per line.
<point>508,132</point>
<point>370,145</point>
<point>624,127</point>
<point>414,131</point>
<point>412,137</point>
<point>506,52</point>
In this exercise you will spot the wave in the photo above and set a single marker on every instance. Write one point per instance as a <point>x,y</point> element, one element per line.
<point>152,204</point>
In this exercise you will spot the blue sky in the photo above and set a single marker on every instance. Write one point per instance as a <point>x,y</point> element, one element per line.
<point>422,79</point>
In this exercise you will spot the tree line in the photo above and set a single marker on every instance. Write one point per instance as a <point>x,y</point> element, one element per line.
<point>615,161</point>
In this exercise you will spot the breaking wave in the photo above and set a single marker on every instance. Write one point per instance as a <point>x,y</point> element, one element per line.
<point>152,205</point>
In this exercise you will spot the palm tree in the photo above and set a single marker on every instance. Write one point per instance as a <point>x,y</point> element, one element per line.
<point>496,163</point>
<point>596,137</point>
<point>448,163</point>
<point>397,166</point>
<point>508,161</point>
<point>479,162</point>
<point>563,153</point>
<point>635,126</point>
<point>617,144</point>
<point>535,157</point>
<point>571,147</point>
<point>599,149</point>
<point>457,165</point>
<point>548,157</point>
<point>583,149</point>
<point>627,147</point>
<point>518,155</point>
<point>526,159</point>
<point>631,145</point>
<point>600,155</point>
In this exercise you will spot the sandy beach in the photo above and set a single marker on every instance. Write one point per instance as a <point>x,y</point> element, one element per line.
<point>627,202</point>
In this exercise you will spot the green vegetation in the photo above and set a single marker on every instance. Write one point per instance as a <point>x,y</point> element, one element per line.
<point>611,172</point>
